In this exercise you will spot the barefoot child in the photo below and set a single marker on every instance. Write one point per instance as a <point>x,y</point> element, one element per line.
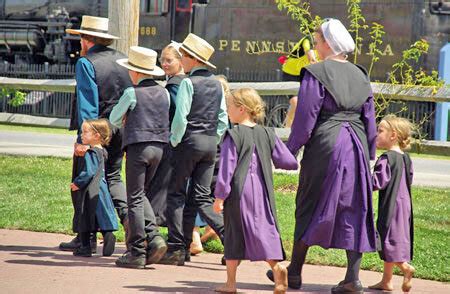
<point>392,177</point>
<point>244,189</point>
<point>95,211</point>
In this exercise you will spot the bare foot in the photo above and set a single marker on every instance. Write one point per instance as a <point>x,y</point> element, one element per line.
<point>225,288</point>
<point>382,286</point>
<point>407,277</point>
<point>280,276</point>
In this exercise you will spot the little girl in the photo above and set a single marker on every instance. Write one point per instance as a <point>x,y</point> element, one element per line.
<point>94,209</point>
<point>392,177</point>
<point>244,189</point>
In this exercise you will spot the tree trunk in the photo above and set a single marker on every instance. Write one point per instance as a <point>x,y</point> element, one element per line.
<point>124,22</point>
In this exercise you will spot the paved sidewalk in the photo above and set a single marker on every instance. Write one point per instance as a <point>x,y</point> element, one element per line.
<point>30,262</point>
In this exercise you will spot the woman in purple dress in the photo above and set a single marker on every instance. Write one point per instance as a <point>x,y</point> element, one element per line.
<point>244,189</point>
<point>335,122</point>
<point>392,177</point>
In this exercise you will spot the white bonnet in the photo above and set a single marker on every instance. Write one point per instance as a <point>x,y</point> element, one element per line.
<point>337,37</point>
<point>176,46</point>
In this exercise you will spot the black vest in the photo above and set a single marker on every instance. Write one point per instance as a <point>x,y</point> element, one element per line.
<point>203,117</point>
<point>149,120</point>
<point>111,78</point>
<point>172,84</point>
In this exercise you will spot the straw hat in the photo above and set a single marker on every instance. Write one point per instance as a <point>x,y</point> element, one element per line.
<point>93,26</point>
<point>142,60</point>
<point>198,48</point>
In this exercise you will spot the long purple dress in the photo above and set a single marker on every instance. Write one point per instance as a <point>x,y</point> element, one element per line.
<point>262,239</point>
<point>342,215</point>
<point>397,244</point>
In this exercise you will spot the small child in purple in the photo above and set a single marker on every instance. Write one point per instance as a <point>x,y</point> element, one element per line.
<point>244,189</point>
<point>392,177</point>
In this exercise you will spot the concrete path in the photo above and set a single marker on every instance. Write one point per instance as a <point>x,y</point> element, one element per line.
<point>428,172</point>
<point>30,262</point>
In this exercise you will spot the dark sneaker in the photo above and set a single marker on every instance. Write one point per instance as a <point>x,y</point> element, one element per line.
<point>187,256</point>
<point>70,246</point>
<point>173,257</point>
<point>93,242</point>
<point>130,261</point>
<point>109,243</point>
<point>83,251</point>
<point>294,282</point>
<point>350,287</point>
<point>155,250</point>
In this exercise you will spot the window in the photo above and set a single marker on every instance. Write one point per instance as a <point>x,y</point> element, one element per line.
<point>184,5</point>
<point>155,7</point>
<point>440,7</point>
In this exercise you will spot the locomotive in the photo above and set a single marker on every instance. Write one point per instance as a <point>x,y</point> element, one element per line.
<point>249,35</point>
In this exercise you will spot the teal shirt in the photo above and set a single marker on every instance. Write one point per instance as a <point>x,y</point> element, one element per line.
<point>127,102</point>
<point>184,102</point>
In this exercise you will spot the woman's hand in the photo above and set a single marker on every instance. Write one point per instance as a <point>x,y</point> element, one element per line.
<point>218,205</point>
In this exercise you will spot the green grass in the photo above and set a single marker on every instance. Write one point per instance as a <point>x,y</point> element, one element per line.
<point>34,195</point>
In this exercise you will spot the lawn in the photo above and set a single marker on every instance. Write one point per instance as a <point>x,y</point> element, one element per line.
<point>34,195</point>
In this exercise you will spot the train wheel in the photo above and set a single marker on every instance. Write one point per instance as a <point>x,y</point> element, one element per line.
<point>277,116</point>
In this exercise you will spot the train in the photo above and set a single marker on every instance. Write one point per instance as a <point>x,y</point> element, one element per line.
<point>249,35</point>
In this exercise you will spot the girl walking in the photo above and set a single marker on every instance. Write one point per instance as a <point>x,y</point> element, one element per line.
<point>244,189</point>
<point>95,209</point>
<point>392,177</point>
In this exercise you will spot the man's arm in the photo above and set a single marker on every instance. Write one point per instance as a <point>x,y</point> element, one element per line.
<point>126,102</point>
<point>87,93</point>
<point>222,125</point>
<point>184,103</point>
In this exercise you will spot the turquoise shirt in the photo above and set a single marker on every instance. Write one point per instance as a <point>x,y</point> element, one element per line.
<point>127,102</point>
<point>184,102</point>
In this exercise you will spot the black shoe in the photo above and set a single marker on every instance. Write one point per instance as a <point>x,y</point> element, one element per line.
<point>155,250</point>
<point>187,256</point>
<point>130,261</point>
<point>350,287</point>
<point>70,246</point>
<point>85,251</point>
<point>173,257</point>
<point>294,282</point>
<point>93,242</point>
<point>109,243</point>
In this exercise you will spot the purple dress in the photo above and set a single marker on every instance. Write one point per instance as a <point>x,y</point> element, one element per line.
<point>397,244</point>
<point>262,239</point>
<point>341,215</point>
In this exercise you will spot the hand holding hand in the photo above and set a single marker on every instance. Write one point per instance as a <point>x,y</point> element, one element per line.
<point>80,149</point>
<point>218,205</point>
<point>74,187</point>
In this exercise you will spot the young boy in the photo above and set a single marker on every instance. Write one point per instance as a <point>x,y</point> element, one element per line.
<point>199,122</point>
<point>144,111</point>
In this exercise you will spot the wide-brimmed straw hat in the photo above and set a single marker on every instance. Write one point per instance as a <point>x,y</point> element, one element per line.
<point>142,60</point>
<point>198,48</point>
<point>93,26</point>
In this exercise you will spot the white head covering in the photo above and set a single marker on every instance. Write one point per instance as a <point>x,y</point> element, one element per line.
<point>176,46</point>
<point>337,37</point>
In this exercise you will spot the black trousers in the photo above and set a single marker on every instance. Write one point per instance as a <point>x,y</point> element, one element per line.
<point>191,209</point>
<point>159,186</point>
<point>141,164</point>
<point>193,158</point>
<point>113,167</point>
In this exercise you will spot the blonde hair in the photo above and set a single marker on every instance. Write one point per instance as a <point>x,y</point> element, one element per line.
<point>224,82</point>
<point>251,101</point>
<point>101,127</point>
<point>402,127</point>
<point>172,50</point>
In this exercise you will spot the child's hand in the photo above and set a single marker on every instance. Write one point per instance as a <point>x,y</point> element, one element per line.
<point>80,149</point>
<point>311,56</point>
<point>74,187</point>
<point>218,205</point>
